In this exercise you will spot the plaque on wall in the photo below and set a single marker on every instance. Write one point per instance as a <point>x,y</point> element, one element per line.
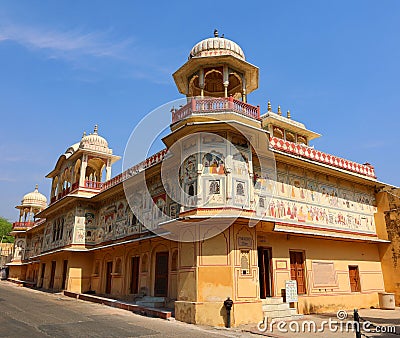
<point>324,274</point>
<point>245,241</point>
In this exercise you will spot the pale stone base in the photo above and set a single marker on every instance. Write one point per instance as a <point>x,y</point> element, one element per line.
<point>214,313</point>
<point>333,303</point>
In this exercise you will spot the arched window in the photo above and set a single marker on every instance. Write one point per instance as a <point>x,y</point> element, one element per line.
<point>191,190</point>
<point>290,137</point>
<point>213,82</point>
<point>301,139</point>
<point>277,132</point>
<point>77,171</point>
<point>62,228</point>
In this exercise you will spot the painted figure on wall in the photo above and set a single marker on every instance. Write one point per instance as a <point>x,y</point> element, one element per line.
<point>213,163</point>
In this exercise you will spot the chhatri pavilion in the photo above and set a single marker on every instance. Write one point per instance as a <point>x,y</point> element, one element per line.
<point>254,205</point>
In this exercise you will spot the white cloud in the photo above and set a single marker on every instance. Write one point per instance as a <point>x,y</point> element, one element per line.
<point>65,43</point>
<point>78,46</point>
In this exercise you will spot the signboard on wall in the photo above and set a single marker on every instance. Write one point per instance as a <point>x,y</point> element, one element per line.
<point>291,291</point>
<point>324,274</point>
<point>245,241</point>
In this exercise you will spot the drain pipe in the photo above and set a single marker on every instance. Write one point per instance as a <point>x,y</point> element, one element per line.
<point>228,303</point>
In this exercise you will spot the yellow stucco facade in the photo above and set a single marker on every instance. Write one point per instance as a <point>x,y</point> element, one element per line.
<point>254,206</point>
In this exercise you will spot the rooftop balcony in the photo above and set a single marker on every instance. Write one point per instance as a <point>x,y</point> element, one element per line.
<point>216,105</point>
<point>321,157</point>
<point>88,185</point>
<point>22,225</point>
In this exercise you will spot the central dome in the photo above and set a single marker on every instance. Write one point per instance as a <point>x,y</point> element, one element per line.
<point>34,198</point>
<point>216,46</point>
<point>94,141</point>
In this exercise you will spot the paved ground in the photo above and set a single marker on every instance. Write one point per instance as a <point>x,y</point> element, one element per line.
<point>30,313</point>
<point>388,320</point>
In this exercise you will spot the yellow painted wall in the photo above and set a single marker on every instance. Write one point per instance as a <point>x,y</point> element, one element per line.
<point>336,295</point>
<point>390,253</point>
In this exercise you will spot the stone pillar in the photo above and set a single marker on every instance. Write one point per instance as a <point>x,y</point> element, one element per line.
<point>251,185</point>
<point>83,171</point>
<point>108,170</point>
<point>200,181</point>
<point>30,218</point>
<point>225,76</point>
<point>59,185</point>
<point>244,94</point>
<point>201,82</point>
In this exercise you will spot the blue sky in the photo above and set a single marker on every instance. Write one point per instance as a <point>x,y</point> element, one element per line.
<point>67,65</point>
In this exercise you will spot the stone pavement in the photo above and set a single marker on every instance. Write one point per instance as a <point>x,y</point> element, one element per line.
<point>27,312</point>
<point>388,320</point>
<point>31,313</point>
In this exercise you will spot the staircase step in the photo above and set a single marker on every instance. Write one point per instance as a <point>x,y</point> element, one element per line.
<point>275,307</point>
<point>152,299</point>
<point>278,313</point>
<point>272,300</point>
<point>150,304</point>
<point>286,319</point>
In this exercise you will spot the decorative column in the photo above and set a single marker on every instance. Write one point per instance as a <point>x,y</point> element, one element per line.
<point>225,76</point>
<point>108,170</point>
<point>83,171</point>
<point>251,184</point>
<point>244,94</point>
<point>59,184</point>
<point>200,181</point>
<point>30,215</point>
<point>201,82</point>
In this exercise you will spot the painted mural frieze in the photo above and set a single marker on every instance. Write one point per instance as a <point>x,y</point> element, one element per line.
<point>302,200</point>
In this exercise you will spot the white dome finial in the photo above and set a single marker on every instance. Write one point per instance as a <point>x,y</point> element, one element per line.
<point>216,46</point>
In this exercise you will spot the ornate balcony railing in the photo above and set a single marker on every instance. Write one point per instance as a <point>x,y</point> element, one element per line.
<point>152,160</point>
<point>93,185</point>
<point>216,105</point>
<point>319,156</point>
<point>75,186</point>
<point>22,225</point>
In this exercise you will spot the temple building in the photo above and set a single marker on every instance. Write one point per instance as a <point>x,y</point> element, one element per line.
<point>250,204</point>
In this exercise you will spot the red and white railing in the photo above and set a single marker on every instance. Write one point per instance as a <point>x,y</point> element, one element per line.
<point>216,105</point>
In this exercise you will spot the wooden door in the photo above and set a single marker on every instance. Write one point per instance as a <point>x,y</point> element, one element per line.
<point>134,275</point>
<point>109,277</point>
<point>354,278</point>
<point>52,274</point>
<point>161,275</point>
<point>265,272</point>
<point>297,270</point>
<point>64,275</point>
